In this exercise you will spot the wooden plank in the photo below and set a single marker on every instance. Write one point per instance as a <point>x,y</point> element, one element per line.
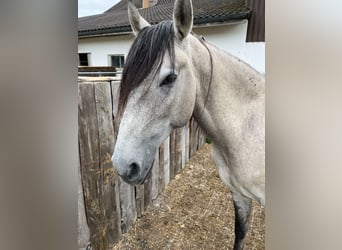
<point>139,199</point>
<point>89,159</point>
<point>191,125</point>
<point>115,95</point>
<point>196,137</point>
<point>200,138</point>
<point>151,185</point>
<point>103,99</point>
<point>161,179</point>
<point>105,123</point>
<point>115,102</point>
<point>83,229</point>
<point>172,154</point>
<point>166,165</point>
<point>186,142</point>
<point>87,122</point>
<point>92,204</point>
<point>115,227</point>
<point>155,177</point>
<point>128,206</point>
<point>178,150</point>
<point>193,136</point>
<point>111,206</point>
<point>96,69</point>
<point>148,190</point>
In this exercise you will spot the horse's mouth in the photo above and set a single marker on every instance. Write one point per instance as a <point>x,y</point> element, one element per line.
<point>140,180</point>
<point>146,174</point>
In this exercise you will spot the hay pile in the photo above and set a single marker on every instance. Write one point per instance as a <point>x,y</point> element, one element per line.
<point>194,212</point>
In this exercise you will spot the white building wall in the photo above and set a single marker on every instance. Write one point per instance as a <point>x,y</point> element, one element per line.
<point>255,55</point>
<point>231,37</point>
<point>101,47</point>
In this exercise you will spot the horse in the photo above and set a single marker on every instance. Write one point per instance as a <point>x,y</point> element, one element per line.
<point>172,74</point>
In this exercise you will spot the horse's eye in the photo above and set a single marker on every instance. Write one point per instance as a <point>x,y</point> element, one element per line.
<point>169,79</point>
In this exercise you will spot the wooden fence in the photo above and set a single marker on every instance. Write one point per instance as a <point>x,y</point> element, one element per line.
<point>111,205</point>
<point>96,71</point>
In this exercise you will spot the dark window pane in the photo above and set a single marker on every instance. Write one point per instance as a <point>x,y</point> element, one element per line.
<point>117,61</point>
<point>83,59</point>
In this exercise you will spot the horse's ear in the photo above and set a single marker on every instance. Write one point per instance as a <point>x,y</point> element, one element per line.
<point>182,18</point>
<point>137,22</point>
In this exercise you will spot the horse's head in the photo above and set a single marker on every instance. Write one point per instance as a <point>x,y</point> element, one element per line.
<point>157,92</point>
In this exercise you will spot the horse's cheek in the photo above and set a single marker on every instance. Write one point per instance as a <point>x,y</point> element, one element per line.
<point>182,111</point>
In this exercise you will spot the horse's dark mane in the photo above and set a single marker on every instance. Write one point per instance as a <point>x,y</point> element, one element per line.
<point>145,56</point>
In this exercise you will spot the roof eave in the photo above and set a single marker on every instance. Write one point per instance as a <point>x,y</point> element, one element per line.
<point>113,31</point>
<point>198,22</point>
<point>221,19</point>
<point>215,24</point>
<point>106,32</point>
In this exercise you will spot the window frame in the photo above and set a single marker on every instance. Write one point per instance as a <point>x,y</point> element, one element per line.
<point>118,55</point>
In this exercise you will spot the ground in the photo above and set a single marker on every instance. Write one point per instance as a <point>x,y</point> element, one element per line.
<point>195,211</point>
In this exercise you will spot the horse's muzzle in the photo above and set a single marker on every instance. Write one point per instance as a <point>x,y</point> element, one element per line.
<point>132,172</point>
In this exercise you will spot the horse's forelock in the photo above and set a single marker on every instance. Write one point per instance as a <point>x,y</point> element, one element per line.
<point>145,56</point>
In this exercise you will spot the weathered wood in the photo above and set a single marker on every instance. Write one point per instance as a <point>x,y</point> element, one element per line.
<point>115,224</point>
<point>128,206</point>
<point>193,136</point>
<point>115,96</point>
<point>186,134</point>
<point>166,165</point>
<point>83,229</point>
<point>161,179</point>
<point>202,137</point>
<point>139,199</point>
<point>115,85</point>
<point>91,71</point>
<point>199,138</point>
<point>96,69</point>
<point>89,159</point>
<point>103,99</point>
<point>178,150</point>
<point>147,190</point>
<point>111,205</point>
<point>87,122</point>
<point>105,122</point>
<point>191,125</point>
<point>155,177</point>
<point>152,181</point>
<point>172,154</point>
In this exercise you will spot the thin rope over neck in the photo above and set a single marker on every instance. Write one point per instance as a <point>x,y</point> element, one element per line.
<point>202,40</point>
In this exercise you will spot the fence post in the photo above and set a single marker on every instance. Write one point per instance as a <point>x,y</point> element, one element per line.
<point>83,229</point>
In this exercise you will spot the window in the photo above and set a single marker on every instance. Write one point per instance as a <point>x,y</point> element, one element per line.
<point>117,61</point>
<point>83,59</point>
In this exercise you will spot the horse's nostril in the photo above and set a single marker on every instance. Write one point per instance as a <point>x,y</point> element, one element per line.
<point>133,170</point>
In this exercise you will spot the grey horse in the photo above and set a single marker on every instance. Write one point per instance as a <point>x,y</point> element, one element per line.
<point>172,74</point>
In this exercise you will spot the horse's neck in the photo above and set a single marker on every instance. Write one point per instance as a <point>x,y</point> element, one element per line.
<point>235,88</point>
